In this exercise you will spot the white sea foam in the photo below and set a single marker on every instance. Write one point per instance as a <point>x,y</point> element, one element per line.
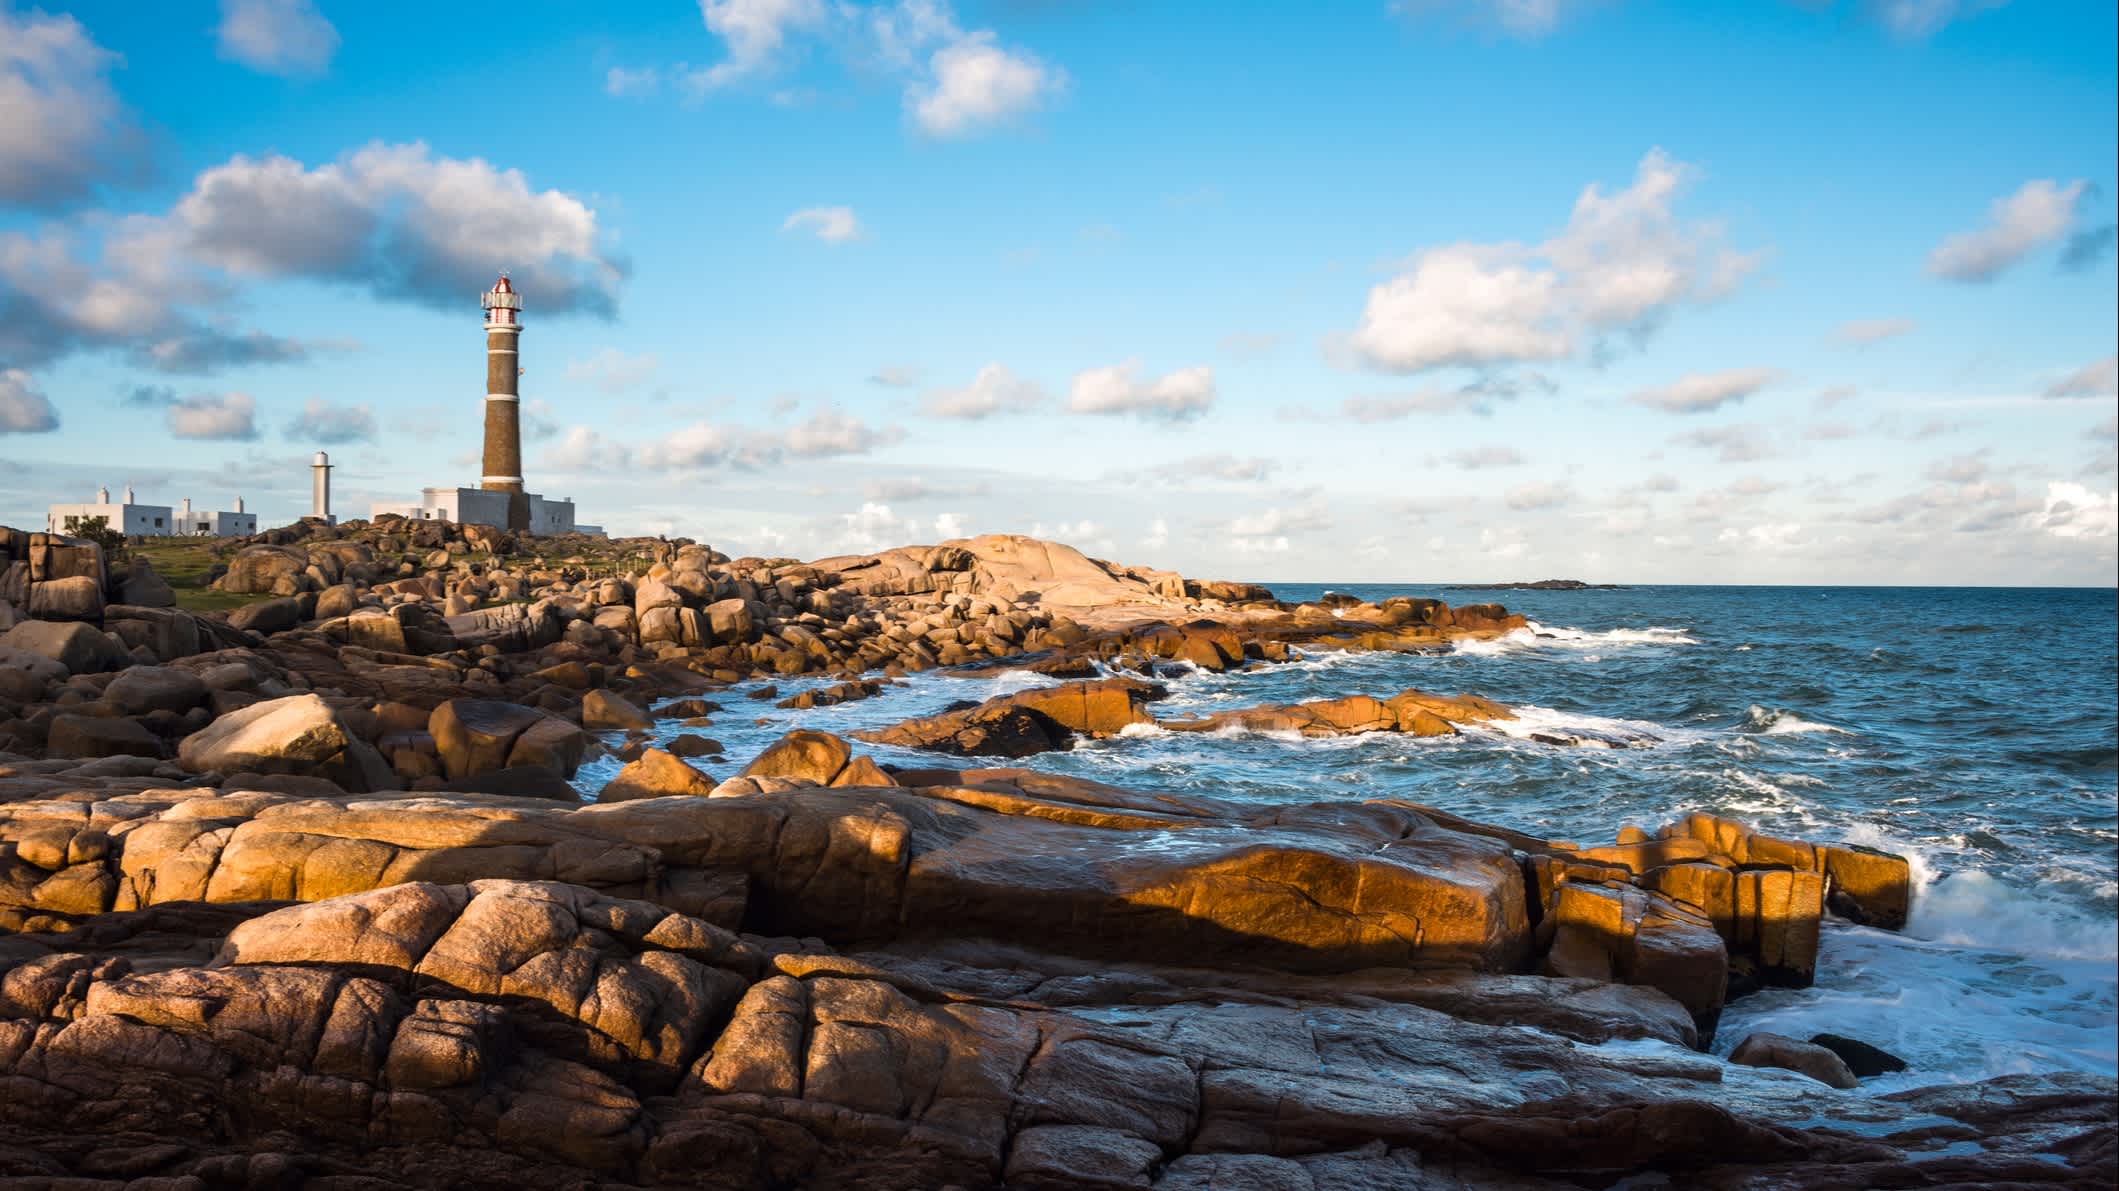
<point>1588,731</point>
<point>1536,636</point>
<point>1974,909</point>
<point>1774,722</point>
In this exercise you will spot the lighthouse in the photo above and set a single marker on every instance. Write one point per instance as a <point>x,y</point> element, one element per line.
<point>503,454</point>
<point>500,500</point>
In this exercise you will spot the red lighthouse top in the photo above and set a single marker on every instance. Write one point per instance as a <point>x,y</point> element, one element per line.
<point>500,303</point>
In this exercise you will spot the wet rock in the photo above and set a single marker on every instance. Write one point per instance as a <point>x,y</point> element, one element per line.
<point>1861,1058</point>
<point>1774,1050</point>
<point>603,710</point>
<point>1027,722</point>
<point>1866,885</point>
<point>817,757</point>
<point>656,774</point>
<point>689,745</point>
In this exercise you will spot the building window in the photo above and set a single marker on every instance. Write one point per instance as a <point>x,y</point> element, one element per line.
<point>158,523</point>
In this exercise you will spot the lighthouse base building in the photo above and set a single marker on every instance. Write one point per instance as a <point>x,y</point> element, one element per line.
<point>479,506</point>
<point>499,500</point>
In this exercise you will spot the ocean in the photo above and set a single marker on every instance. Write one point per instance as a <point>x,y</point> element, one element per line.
<point>1973,730</point>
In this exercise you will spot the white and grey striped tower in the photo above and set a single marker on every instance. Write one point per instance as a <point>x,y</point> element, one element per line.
<point>503,454</point>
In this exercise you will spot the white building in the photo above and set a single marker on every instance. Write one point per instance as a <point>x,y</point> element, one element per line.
<point>133,519</point>
<point>480,506</point>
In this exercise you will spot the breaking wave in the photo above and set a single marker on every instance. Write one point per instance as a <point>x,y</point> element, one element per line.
<point>1769,722</point>
<point>1535,636</point>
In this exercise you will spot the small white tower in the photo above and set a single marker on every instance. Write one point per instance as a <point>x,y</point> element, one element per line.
<point>319,488</point>
<point>238,504</point>
<point>103,495</point>
<point>128,494</point>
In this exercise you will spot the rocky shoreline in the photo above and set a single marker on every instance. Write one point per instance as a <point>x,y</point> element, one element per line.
<point>302,894</point>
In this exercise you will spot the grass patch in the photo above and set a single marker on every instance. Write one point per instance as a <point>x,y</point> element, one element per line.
<point>184,563</point>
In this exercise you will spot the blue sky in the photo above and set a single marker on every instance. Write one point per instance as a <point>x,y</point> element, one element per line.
<point>1625,291</point>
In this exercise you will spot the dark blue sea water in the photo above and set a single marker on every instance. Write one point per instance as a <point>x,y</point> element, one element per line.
<point>1974,730</point>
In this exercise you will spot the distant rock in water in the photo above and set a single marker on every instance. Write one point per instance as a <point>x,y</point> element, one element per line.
<point>1539,585</point>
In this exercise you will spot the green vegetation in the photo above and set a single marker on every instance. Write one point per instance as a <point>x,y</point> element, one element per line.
<point>98,530</point>
<point>185,563</point>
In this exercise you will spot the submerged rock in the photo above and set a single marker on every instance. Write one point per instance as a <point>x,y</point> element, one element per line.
<point>1861,1058</point>
<point>1774,1050</point>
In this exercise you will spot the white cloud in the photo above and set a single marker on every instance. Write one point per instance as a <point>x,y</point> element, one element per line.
<point>2098,378</point>
<point>956,83</point>
<point>976,85</point>
<point>755,32</point>
<point>23,410</point>
<point>1913,20</point>
<point>1158,535</point>
<point>1743,443</point>
<point>1700,392</point>
<point>326,424</point>
<point>283,37</point>
<point>2040,212</point>
<point>1462,305</point>
<point>1221,468</point>
<point>949,525</point>
<point>1775,536</point>
<point>1526,19</point>
<point>62,129</point>
<point>912,488</point>
<point>895,376</point>
<point>1120,389</point>
<point>704,445</point>
<point>1623,263</point>
<point>1529,497</point>
<point>1865,331</point>
<point>874,527</point>
<point>225,416</point>
<point>1509,545</point>
<point>613,371</point>
<point>630,81</point>
<point>1478,397</point>
<point>1479,458</point>
<point>2073,511</point>
<point>993,391</point>
<point>833,225</point>
<point>828,432</point>
<point>394,219</point>
<point>1276,521</point>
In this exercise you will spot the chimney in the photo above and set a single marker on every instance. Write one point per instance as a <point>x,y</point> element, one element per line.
<point>103,495</point>
<point>238,504</point>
